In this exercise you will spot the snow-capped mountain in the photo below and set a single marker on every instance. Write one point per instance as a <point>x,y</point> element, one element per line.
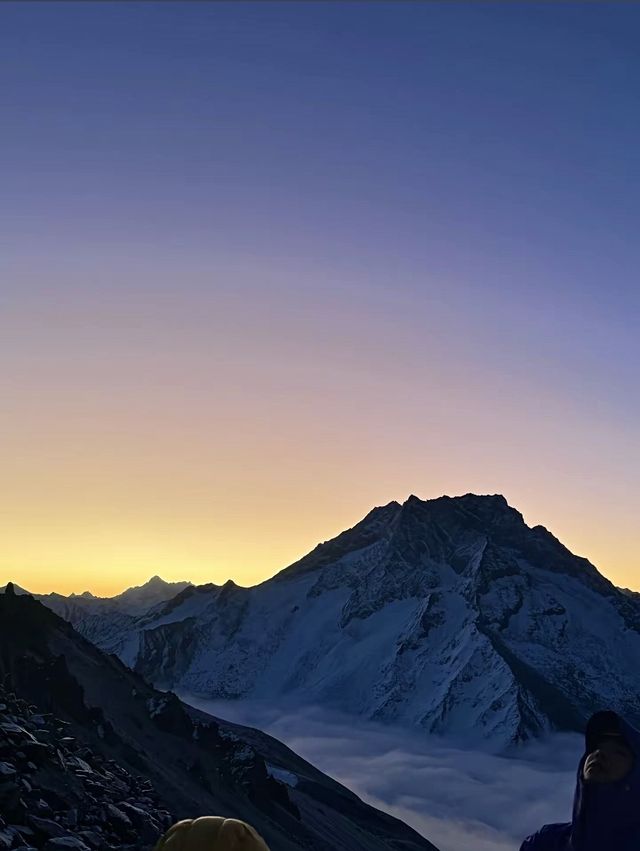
<point>134,601</point>
<point>94,757</point>
<point>103,619</point>
<point>451,614</point>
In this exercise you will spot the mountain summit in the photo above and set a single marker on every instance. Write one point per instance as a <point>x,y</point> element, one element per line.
<point>141,597</point>
<point>450,614</point>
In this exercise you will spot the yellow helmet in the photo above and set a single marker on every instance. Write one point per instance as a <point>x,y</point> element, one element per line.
<point>211,833</point>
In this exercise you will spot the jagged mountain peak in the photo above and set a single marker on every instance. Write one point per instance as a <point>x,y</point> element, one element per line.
<point>443,529</point>
<point>449,613</point>
<point>496,499</point>
<point>85,595</point>
<point>140,598</point>
<point>470,507</point>
<point>417,531</point>
<point>13,588</point>
<point>156,582</point>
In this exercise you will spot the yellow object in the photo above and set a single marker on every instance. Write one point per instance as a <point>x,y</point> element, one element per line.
<point>211,833</point>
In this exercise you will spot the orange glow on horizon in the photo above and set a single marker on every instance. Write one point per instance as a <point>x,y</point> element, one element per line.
<point>92,565</point>
<point>255,281</point>
<point>273,427</point>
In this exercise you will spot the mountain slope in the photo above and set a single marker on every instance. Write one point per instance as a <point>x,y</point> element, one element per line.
<point>106,620</point>
<point>451,614</point>
<point>196,764</point>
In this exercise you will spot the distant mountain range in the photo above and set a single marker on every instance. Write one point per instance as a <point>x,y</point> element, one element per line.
<point>134,601</point>
<point>104,619</point>
<point>450,614</point>
<point>92,757</point>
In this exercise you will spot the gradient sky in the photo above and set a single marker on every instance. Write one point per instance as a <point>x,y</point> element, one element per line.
<point>265,265</point>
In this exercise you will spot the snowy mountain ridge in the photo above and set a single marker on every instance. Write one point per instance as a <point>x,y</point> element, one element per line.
<point>450,614</point>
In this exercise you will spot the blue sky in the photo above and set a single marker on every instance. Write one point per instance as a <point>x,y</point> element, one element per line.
<point>449,183</point>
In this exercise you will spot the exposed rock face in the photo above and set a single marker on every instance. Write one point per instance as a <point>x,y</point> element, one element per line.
<point>57,793</point>
<point>91,757</point>
<point>450,614</point>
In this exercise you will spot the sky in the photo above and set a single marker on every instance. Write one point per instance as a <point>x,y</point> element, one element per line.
<point>265,266</point>
<point>457,798</point>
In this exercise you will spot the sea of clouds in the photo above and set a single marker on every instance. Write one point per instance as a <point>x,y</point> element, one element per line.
<point>459,799</point>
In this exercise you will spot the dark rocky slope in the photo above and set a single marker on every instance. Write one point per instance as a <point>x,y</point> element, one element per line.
<point>94,756</point>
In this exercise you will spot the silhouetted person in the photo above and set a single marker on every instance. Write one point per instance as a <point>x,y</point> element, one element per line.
<point>211,833</point>
<point>606,806</point>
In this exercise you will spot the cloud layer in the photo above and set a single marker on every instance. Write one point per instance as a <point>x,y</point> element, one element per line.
<point>459,799</point>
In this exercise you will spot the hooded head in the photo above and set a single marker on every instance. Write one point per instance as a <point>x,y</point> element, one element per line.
<point>606,807</point>
<point>211,833</point>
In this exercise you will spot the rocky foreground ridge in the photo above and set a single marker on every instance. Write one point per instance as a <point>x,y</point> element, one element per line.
<point>56,793</point>
<point>91,757</point>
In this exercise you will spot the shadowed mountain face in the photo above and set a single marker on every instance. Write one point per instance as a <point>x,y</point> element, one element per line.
<point>180,760</point>
<point>451,614</point>
<point>103,620</point>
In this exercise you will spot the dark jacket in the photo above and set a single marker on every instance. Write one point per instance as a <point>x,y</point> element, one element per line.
<point>605,815</point>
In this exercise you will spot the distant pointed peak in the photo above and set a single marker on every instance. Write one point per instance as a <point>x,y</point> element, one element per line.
<point>155,587</point>
<point>13,589</point>
<point>228,589</point>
